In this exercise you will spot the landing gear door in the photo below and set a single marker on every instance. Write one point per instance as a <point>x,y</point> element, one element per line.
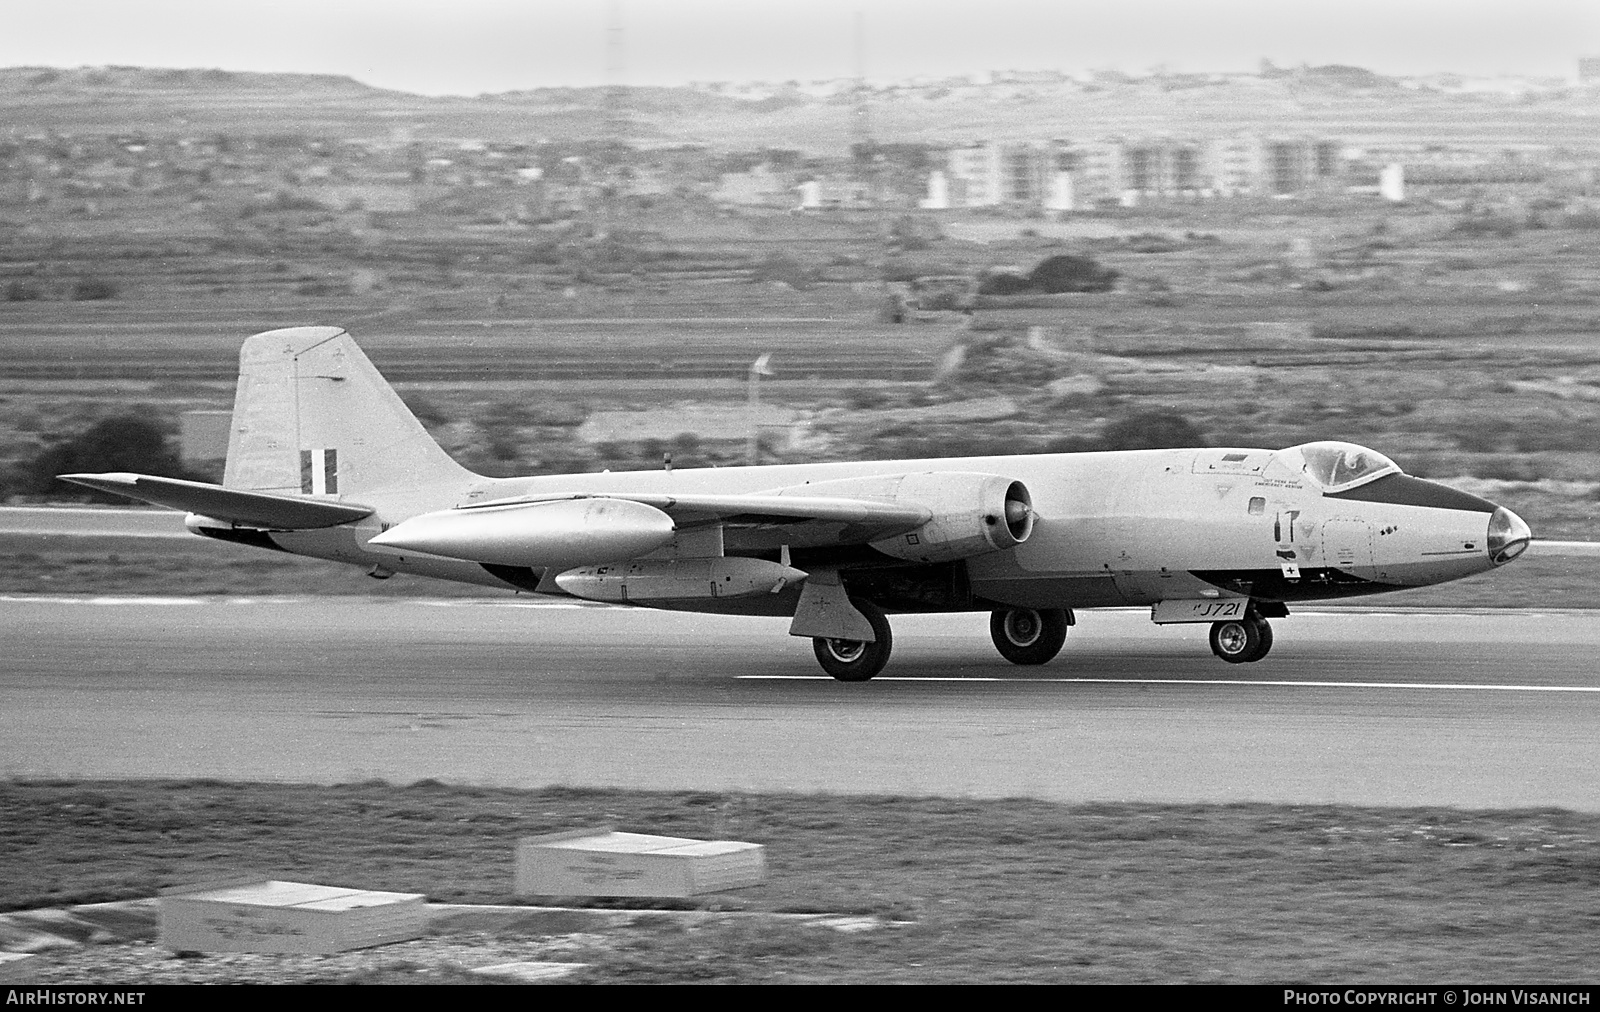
<point>1347,546</point>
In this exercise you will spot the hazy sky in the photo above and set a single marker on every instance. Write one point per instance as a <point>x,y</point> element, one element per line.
<point>473,46</point>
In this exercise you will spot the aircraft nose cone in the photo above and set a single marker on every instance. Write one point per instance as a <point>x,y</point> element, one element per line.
<point>1509,536</point>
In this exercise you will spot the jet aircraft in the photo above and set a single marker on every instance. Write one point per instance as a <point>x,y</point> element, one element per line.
<point>325,460</point>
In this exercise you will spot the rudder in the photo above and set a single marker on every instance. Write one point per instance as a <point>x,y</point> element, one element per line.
<point>312,415</point>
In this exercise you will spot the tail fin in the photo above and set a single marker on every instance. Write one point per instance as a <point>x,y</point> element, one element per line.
<point>312,415</point>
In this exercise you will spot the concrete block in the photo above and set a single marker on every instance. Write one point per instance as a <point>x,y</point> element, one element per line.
<point>607,863</point>
<point>275,916</point>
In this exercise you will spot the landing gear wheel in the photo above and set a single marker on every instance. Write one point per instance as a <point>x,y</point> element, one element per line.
<point>1266,639</point>
<point>1241,641</point>
<point>856,660</point>
<point>1028,636</point>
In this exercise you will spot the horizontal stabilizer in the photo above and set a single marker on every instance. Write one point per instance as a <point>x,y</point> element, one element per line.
<point>249,509</point>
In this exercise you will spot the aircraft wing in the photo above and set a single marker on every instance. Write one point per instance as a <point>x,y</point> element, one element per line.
<point>565,530</point>
<point>866,519</point>
<point>250,509</point>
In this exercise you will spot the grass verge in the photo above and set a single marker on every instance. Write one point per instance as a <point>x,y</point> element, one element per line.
<point>1011,890</point>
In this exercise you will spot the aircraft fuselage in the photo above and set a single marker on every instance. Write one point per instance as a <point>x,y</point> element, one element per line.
<point>1112,528</point>
<point>326,460</point>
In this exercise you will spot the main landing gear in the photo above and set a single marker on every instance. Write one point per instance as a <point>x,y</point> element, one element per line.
<point>1027,635</point>
<point>1240,641</point>
<point>856,660</point>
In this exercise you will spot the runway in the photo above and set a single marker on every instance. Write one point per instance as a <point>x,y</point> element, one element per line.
<point>81,521</point>
<point>1488,709</point>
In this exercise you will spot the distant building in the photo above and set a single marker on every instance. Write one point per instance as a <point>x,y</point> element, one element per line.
<point>1392,182</point>
<point>1589,70</point>
<point>974,175</point>
<point>760,186</point>
<point>831,192</point>
<point>1061,197</point>
<point>1433,171</point>
<point>1065,175</point>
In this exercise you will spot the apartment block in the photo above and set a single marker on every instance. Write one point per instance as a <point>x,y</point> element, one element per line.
<point>1066,175</point>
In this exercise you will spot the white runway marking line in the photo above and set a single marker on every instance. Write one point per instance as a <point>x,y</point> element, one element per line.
<point>63,532</point>
<point>1196,681</point>
<point>469,603</point>
<point>163,601</point>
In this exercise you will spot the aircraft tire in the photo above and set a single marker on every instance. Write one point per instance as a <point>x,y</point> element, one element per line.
<point>1266,639</point>
<point>856,660</point>
<point>1239,641</point>
<point>1028,635</point>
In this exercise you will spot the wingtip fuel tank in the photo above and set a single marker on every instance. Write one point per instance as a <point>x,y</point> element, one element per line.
<point>561,534</point>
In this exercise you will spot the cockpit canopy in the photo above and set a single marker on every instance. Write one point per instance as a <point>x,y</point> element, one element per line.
<point>1337,466</point>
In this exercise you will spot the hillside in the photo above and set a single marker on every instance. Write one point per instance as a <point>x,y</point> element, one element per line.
<point>1352,104</point>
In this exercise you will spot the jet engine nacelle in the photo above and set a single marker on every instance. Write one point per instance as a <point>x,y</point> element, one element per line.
<point>973,514</point>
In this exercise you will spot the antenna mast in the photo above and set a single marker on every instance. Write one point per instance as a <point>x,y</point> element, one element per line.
<point>861,129</point>
<point>616,122</point>
<point>614,113</point>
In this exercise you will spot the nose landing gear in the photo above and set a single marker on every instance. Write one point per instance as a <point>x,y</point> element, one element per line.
<point>1241,641</point>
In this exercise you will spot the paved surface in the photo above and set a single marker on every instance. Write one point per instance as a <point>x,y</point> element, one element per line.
<point>87,521</point>
<point>77,521</point>
<point>1484,709</point>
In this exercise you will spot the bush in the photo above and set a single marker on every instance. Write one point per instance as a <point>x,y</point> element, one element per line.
<point>948,299</point>
<point>866,398</point>
<point>23,291</point>
<point>129,442</point>
<point>1504,227</point>
<point>786,270</point>
<point>908,235</point>
<point>427,411</point>
<point>1151,430</point>
<point>1153,242</point>
<point>1059,274</point>
<point>321,286</point>
<point>1004,283</point>
<point>92,289</point>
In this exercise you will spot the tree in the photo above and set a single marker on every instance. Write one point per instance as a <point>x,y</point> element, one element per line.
<point>1151,430</point>
<point>1071,274</point>
<point>92,289</point>
<point>128,442</point>
<point>1004,283</point>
